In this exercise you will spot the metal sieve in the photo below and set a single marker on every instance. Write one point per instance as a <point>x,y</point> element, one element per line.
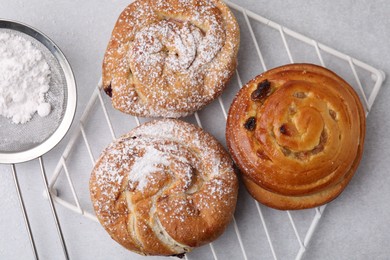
<point>20,143</point>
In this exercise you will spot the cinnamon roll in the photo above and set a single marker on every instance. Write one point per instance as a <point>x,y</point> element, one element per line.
<point>164,188</point>
<point>296,132</point>
<point>169,58</point>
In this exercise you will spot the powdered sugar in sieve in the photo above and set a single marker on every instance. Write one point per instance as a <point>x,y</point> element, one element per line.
<point>21,137</point>
<point>20,143</point>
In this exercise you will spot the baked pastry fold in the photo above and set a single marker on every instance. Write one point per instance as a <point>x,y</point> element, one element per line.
<point>296,132</point>
<point>164,188</point>
<point>170,58</point>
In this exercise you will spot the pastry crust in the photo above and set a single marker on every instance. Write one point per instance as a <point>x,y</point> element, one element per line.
<point>297,133</point>
<point>170,58</point>
<point>164,188</point>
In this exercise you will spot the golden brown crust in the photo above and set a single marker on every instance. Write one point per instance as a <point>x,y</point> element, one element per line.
<point>297,133</point>
<point>164,188</point>
<point>169,58</point>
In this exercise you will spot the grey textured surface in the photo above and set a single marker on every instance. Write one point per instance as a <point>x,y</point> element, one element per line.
<point>353,227</point>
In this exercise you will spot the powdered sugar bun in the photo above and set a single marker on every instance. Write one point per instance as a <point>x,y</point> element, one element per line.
<point>169,58</point>
<point>164,188</point>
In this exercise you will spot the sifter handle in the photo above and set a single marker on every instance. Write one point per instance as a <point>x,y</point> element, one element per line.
<point>26,221</point>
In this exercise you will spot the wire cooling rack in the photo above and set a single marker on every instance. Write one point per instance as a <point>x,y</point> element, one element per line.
<point>256,230</point>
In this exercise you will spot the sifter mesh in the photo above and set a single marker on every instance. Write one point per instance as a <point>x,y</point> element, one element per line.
<point>22,137</point>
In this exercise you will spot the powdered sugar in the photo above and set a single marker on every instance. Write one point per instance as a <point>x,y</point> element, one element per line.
<point>152,160</point>
<point>44,109</point>
<point>178,46</point>
<point>24,79</point>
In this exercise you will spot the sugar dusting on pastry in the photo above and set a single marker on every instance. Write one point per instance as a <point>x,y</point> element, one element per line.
<point>151,161</point>
<point>170,58</point>
<point>176,166</point>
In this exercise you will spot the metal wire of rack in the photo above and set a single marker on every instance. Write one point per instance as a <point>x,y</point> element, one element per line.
<point>251,22</point>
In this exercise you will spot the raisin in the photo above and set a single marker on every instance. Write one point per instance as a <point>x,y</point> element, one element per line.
<point>250,124</point>
<point>284,130</point>
<point>261,91</point>
<point>332,114</point>
<point>300,95</point>
<point>108,90</point>
<point>180,255</point>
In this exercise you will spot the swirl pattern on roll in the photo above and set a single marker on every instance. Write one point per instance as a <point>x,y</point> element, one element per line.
<point>164,188</point>
<point>297,133</point>
<point>170,58</point>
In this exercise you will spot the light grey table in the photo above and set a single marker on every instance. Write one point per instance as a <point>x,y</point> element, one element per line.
<point>355,226</point>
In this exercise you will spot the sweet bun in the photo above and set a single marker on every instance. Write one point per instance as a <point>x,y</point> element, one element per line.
<point>164,188</point>
<point>170,58</point>
<point>296,132</point>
